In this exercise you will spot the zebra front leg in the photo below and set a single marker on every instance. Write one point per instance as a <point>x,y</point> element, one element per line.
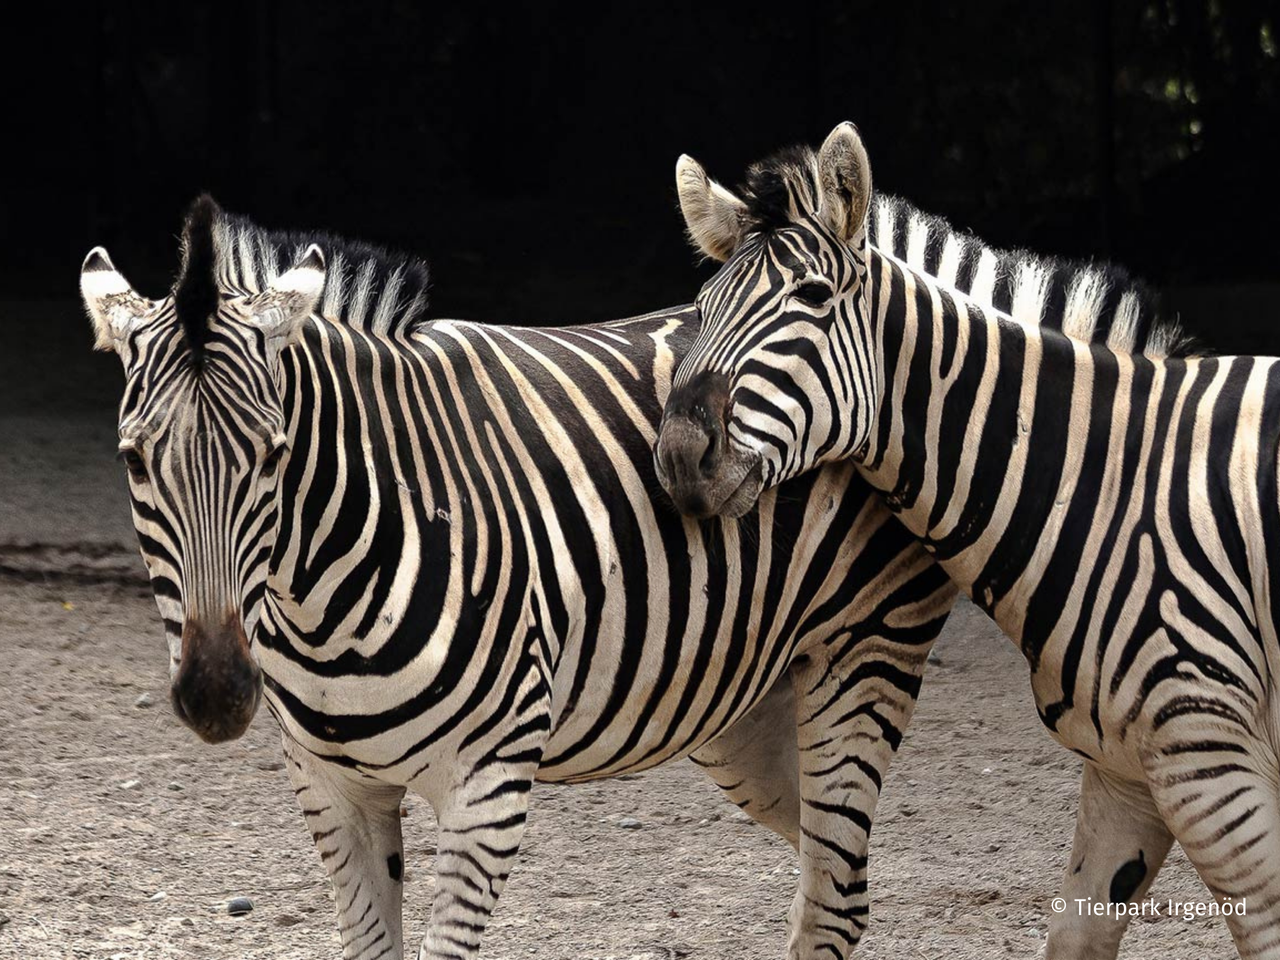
<point>355,823</point>
<point>850,717</point>
<point>756,762</point>
<point>1120,843</point>
<point>479,787</point>
<point>1215,784</point>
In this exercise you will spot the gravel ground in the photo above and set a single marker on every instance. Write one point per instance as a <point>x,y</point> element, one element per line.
<point>121,836</point>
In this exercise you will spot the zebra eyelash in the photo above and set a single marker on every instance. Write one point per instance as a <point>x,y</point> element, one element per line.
<point>134,463</point>
<point>271,462</point>
<point>812,293</point>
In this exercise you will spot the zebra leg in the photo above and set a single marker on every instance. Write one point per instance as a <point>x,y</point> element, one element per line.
<point>756,762</point>
<point>850,718</point>
<point>480,827</point>
<point>1120,843</point>
<point>355,824</point>
<point>1216,786</point>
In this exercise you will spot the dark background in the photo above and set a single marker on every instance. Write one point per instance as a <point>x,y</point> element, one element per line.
<point>528,152</point>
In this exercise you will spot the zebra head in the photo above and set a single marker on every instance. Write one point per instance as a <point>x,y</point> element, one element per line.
<point>202,434</point>
<point>766,391</point>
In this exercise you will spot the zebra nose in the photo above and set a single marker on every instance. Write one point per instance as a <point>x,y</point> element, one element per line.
<point>687,452</point>
<point>691,441</point>
<point>217,687</point>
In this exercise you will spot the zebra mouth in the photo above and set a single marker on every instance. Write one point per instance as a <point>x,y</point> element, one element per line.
<point>745,495</point>
<point>702,483</point>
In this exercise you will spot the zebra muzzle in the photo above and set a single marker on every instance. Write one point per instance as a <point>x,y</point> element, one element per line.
<point>217,687</point>
<point>700,470</point>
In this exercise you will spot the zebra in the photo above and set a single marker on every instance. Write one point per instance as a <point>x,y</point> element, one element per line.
<point>435,550</point>
<point>1114,513</point>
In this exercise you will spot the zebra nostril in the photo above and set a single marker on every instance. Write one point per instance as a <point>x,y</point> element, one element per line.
<point>710,460</point>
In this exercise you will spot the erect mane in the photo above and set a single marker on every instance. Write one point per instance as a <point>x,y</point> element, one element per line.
<point>195,295</point>
<point>1096,302</point>
<point>1093,302</point>
<point>780,189</point>
<point>366,286</point>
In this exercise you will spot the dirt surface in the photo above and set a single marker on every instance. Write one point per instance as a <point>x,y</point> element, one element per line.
<point>122,836</point>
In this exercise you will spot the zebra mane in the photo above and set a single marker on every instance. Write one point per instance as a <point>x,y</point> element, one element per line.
<point>366,286</point>
<point>1089,301</point>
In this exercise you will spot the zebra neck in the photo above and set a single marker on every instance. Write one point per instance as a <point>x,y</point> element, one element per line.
<point>980,435</point>
<point>365,508</point>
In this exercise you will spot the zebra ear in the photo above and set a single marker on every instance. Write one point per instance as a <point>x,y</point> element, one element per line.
<point>844,173</point>
<point>293,296</point>
<point>114,306</point>
<point>712,214</point>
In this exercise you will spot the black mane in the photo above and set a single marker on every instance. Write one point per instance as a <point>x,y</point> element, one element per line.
<point>195,295</point>
<point>780,188</point>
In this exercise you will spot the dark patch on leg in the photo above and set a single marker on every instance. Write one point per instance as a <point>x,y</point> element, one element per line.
<point>395,867</point>
<point>1128,878</point>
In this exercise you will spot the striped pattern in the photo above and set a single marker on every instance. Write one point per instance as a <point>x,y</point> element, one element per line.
<point>469,582</point>
<point>1115,513</point>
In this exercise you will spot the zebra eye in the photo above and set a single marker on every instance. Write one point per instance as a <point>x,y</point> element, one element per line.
<point>272,459</point>
<point>813,293</point>
<point>134,464</point>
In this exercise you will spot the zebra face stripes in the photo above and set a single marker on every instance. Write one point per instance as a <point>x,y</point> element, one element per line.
<point>202,434</point>
<point>775,382</point>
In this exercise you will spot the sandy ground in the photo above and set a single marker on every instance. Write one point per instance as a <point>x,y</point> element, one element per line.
<point>123,836</point>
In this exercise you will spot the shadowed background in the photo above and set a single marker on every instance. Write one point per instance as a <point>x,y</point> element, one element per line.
<point>528,152</point>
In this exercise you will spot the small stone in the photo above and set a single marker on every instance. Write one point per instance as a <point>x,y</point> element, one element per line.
<point>158,896</point>
<point>174,785</point>
<point>287,920</point>
<point>629,823</point>
<point>144,701</point>
<point>934,658</point>
<point>4,918</point>
<point>993,848</point>
<point>985,771</point>
<point>239,906</point>
<point>188,922</point>
<point>269,764</point>
<point>908,812</point>
<point>131,785</point>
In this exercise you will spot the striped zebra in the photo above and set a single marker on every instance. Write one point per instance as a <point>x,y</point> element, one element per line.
<point>1114,513</point>
<point>434,547</point>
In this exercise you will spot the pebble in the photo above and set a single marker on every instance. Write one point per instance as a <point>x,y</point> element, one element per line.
<point>238,906</point>
<point>985,771</point>
<point>993,848</point>
<point>144,701</point>
<point>629,823</point>
<point>4,918</point>
<point>174,785</point>
<point>131,785</point>
<point>287,920</point>
<point>935,659</point>
<point>158,896</point>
